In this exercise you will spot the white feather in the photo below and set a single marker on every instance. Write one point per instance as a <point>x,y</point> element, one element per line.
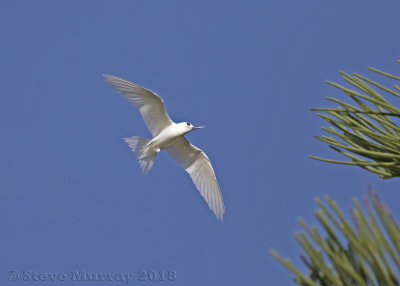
<point>199,167</point>
<point>150,105</point>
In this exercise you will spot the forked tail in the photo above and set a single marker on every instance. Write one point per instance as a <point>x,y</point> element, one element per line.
<point>145,154</point>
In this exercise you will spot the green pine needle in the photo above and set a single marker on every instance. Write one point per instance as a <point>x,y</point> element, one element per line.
<point>366,132</point>
<point>341,254</point>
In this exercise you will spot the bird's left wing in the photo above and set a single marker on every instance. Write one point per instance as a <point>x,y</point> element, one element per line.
<point>150,105</point>
<point>199,167</point>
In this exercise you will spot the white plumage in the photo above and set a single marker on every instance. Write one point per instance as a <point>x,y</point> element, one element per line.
<point>169,135</point>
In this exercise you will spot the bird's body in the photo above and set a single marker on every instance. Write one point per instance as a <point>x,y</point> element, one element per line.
<point>169,136</point>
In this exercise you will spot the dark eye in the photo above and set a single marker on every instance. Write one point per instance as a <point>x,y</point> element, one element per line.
<point>188,123</point>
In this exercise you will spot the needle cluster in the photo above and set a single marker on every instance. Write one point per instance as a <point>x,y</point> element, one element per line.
<point>365,131</point>
<point>365,253</point>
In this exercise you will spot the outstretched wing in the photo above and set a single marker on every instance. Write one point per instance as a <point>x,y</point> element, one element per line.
<point>150,105</point>
<point>199,167</point>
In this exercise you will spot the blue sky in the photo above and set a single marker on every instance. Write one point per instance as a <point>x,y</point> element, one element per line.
<point>72,196</point>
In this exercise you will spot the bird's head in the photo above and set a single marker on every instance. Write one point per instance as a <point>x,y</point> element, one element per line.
<point>187,127</point>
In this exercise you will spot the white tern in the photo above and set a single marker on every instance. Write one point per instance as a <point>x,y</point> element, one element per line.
<point>169,136</point>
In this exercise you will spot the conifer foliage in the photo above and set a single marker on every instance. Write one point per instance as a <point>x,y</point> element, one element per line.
<point>365,131</point>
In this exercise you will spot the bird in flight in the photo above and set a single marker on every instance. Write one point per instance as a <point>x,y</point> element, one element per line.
<point>169,136</point>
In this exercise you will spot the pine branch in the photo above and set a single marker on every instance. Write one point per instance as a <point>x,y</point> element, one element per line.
<point>366,132</point>
<point>341,254</point>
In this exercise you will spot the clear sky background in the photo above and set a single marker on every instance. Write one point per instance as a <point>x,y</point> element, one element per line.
<point>72,196</point>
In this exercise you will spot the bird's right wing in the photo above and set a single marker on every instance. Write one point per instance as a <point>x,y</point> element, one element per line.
<point>199,167</point>
<point>150,105</point>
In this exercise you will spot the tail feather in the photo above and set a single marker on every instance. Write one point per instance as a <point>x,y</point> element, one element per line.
<point>145,154</point>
